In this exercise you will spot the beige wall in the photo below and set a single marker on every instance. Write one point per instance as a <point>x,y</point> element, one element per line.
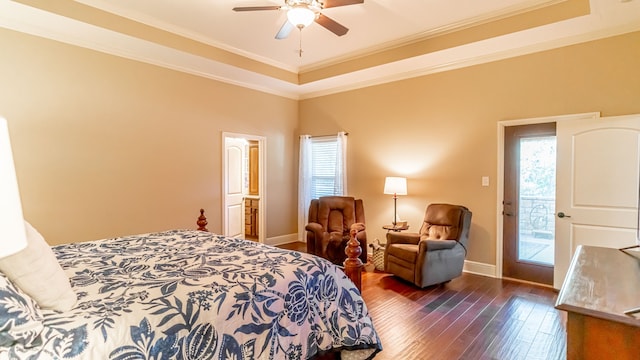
<point>441,130</point>
<point>106,146</point>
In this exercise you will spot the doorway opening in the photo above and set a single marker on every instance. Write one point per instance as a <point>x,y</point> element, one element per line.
<point>243,186</point>
<point>596,187</point>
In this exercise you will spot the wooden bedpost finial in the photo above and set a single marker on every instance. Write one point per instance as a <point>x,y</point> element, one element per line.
<point>202,221</point>
<point>353,265</point>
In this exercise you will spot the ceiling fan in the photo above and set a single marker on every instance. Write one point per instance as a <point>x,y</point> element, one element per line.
<point>301,13</point>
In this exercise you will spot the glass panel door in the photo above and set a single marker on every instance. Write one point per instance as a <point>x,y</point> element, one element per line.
<point>536,223</point>
<point>529,202</point>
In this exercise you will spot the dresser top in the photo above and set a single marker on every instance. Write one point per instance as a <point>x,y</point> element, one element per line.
<point>603,283</point>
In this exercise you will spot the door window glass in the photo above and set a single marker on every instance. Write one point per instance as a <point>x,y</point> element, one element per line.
<point>536,223</point>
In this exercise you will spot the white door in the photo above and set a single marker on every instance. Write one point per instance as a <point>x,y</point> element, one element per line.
<point>234,187</point>
<point>597,186</point>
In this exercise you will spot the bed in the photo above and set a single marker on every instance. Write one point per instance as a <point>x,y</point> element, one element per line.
<point>190,294</point>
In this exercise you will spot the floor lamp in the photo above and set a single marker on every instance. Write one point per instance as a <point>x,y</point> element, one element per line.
<point>14,236</point>
<point>396,186</point>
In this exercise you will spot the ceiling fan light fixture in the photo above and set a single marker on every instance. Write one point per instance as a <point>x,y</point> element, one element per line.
<point>301,16</point>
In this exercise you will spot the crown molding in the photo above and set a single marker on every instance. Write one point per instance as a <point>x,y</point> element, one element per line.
<point>513,10</point>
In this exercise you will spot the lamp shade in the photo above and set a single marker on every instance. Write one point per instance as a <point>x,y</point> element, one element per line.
<point>301,16</point>
<point>395,185</point>
<point>14,237</point>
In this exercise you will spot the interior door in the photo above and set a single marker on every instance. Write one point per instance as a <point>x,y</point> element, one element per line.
<point>529,202</point>
<point>234,188</point>
<point>597,186</point>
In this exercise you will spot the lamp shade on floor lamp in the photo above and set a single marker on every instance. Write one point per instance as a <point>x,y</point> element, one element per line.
<point>396,186</point>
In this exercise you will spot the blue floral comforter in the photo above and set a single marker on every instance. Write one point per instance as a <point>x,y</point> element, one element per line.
<point>196,295</point>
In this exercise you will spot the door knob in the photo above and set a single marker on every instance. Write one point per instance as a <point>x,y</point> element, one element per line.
<point>562,215</point>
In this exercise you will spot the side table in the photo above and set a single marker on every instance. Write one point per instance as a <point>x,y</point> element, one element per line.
<point>395,228</point>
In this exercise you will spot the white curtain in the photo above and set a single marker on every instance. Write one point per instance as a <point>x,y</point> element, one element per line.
<point>305,179</point>
<point>304,185</point>
<point>340,186</point>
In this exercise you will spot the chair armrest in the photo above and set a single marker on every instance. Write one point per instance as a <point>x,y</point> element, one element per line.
<point>402,238</point>
<point>435,245</point>
<point>316,229</point>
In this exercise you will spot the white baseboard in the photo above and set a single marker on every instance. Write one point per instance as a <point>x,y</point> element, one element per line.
<point>283,239</point>
<point>478,268</point>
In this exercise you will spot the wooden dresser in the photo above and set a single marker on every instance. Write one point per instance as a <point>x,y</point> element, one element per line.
<point>602,283</point>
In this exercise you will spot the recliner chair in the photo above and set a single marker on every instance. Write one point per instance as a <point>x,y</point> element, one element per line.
<point>434,255</point>
<point>330,219</point>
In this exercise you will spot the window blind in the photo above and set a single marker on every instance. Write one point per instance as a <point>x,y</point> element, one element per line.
<point>323,168</point>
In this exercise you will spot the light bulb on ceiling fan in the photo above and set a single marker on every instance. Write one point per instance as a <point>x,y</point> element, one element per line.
<point>301,16</point>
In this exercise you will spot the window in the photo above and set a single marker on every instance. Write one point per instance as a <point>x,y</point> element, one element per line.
<point>323,167</point>
<point>323,163</point>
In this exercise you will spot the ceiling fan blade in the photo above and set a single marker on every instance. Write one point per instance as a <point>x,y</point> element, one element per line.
<point>285,30</point>
<point>336,3</point>
<point>255,8</point>
<point>331,25</point>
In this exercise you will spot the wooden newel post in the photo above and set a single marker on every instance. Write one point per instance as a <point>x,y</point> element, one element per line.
<point>353,265</point>
<point>202,221</point>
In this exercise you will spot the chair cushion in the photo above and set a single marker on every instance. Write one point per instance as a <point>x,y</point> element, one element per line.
<point>441,222</point>
<point>337,221</point>
<point>336,213</point>
<point>406,252</point>
<point>439,232</point>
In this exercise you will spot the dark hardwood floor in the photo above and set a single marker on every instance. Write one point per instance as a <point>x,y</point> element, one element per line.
<point>470,317</point>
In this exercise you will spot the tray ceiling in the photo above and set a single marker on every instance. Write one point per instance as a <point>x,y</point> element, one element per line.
<point>387,40</point>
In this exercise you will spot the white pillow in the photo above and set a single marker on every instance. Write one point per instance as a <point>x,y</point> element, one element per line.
<point>36,271</point>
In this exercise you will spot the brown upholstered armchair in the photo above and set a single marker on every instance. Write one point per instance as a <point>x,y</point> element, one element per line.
<point>435,254</point>
<point>330,219</point>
